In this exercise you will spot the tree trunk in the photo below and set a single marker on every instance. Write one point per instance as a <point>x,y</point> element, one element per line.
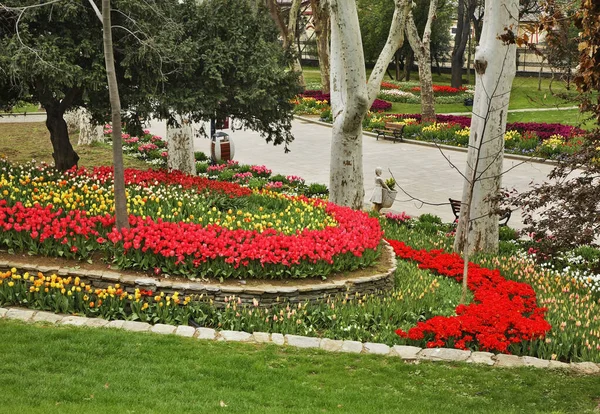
<point>89,132</point>
<point>409,60</point>
<point>322,24</point>
<point>180,141</point>
<point>495,68</point>
<point>64,155</point>
<point>422,51</point>
<point>288,33</point>
<point>460,43</point>
<point>351,95</point>
<point>121,218</point>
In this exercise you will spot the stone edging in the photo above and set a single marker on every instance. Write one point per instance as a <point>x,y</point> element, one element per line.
<point>266,294</point>
<point>522,158</point>
<point>410,354</point>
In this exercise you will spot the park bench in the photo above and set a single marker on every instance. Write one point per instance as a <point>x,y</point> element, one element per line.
<point>456,204</point>
<point>392,131</point>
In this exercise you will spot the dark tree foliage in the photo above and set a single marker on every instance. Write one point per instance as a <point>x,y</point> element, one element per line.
<point>234,67</point>
<point>375,17</point>
<point>565,212</point>
<point>562,40</point>
<point>53,55</point>
<point>207,60</point>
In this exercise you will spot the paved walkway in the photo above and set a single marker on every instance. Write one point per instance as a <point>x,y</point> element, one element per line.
<point>421,171</point>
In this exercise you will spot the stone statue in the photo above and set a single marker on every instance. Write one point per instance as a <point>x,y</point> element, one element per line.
<point>377,197</point>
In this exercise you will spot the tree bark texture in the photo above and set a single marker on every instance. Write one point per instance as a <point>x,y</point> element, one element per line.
<point>495,68</point>
<point>463,27</point>
<point>422,50</point>
<point>89,132</point>
<point>121,217</point>
<point>64,155</point>
<point>352,96</point>
<point>180,141</point>
<point>288,32</point>
<point>322,25</point>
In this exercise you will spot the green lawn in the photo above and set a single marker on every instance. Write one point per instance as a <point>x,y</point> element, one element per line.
<point>22,142</point>
<point>524,94</point>
<point>76,370</point>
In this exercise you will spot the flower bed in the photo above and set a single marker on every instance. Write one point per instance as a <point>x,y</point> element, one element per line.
<point>542,140</point>
<point>147,147</point>
<point>182,225</point>
<point>378,104</point>
<point>503,313</point>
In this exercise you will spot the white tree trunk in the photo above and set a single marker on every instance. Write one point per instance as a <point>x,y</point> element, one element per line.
<point>422,52</point>
<point>352,96</point>
<point>73,119</point>
<point>180,146</point>
<point>88,131</point>
<point>495,67</point>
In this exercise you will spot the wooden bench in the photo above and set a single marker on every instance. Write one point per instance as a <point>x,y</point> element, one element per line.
<point>392,131</point>
<point>456,204</point>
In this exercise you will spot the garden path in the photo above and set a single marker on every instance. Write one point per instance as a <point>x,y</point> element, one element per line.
<point>421,171</point>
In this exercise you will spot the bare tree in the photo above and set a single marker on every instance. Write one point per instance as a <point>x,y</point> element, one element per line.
<point>322,24</point>
<point>352,95</point>
<point>288,31</point>
<point>422,51</point>
<point>495,67</point>
<point>122,221</point>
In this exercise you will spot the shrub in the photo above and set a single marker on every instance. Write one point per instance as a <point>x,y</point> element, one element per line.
<point>316,190</point>
<point>201,167</point>
<point>200,156</point>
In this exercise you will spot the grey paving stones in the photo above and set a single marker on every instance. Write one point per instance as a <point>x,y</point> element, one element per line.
<point>135,326</point>
<point>303,341</point>
<point>558,365</point>
<point>509,361</point>
<point>352,347</point>
<point>277,339</point>
<point>3,312</point>
<point>530,361</point>
<point>406,352</point>
<point>586,368</point>
<point>74,320</point>
<point>110,276</point>
<point>331,345</point>
<point>161,328</point>
<point>118,324</point>
<point>20,314</point>
<point>262,337</point>
<point>206,333</point>
<point>444,354</point>
<point>96,322</point>
<point>47,317</point>
<point>485,358</point>
<point>236,336</point>
<point>183,330</point>
<point>376,349</point>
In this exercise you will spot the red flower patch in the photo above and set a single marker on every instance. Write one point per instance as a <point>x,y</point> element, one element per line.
<point>503,312</point>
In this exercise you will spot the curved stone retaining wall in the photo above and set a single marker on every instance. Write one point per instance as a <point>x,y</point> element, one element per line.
<point>266,293</point>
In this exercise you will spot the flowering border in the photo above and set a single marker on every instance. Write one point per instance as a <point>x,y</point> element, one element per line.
<point>503,312</point>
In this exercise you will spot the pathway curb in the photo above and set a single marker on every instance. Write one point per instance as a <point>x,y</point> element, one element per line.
<point>409,354</point>
<point>521,158</point>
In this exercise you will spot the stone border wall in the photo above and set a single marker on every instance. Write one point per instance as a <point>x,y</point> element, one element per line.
<point>267,294</point>
<point>410,354</point>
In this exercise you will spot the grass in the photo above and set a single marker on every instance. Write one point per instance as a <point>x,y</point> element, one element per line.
<point>524,94</point>
<point>22,142</point>
<point>26,108</point>
<point>120,371</point>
